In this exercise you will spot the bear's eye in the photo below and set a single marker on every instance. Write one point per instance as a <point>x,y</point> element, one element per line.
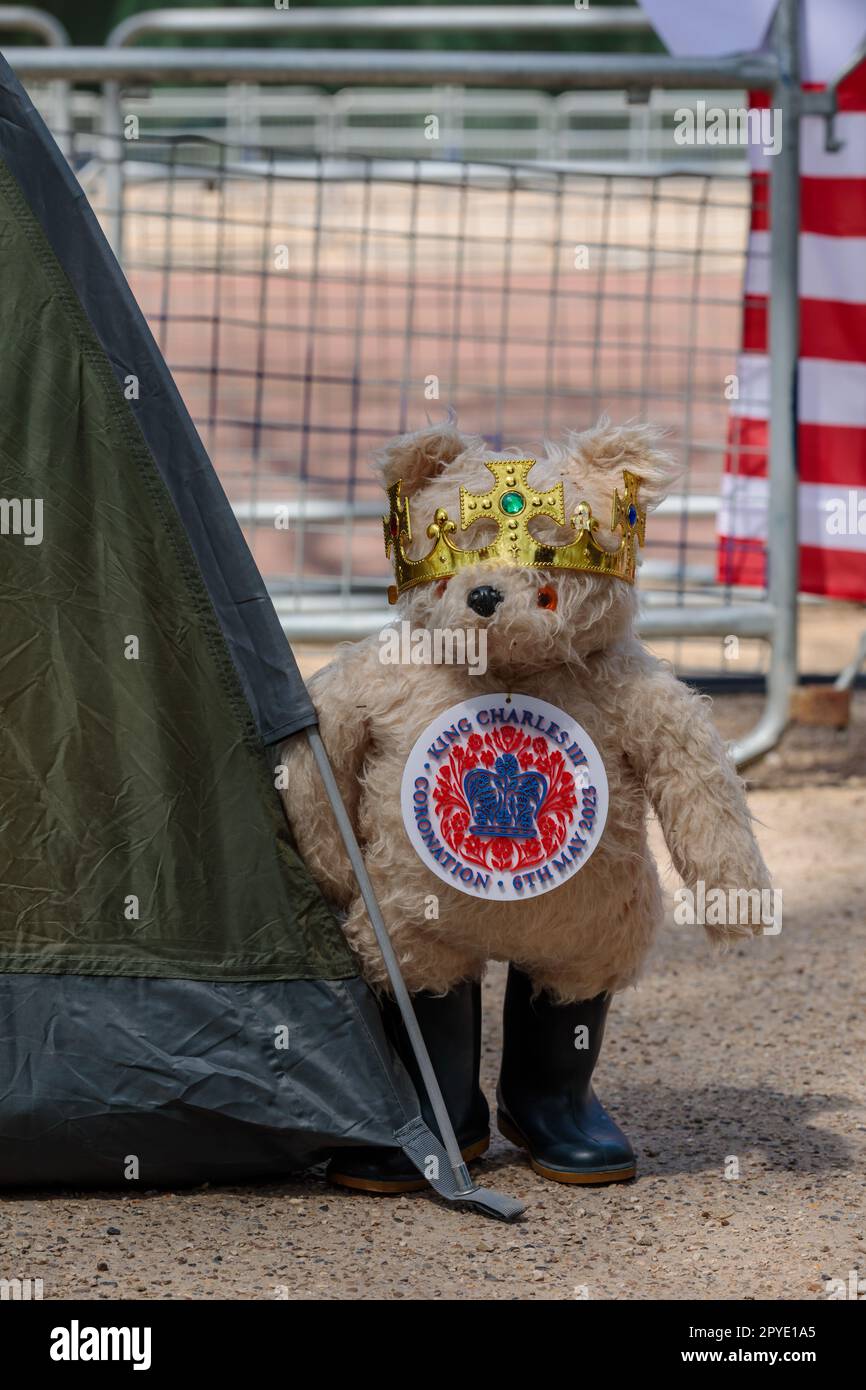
<point>547,597</point>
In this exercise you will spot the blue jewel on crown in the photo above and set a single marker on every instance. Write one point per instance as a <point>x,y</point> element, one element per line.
<point>504,801</point>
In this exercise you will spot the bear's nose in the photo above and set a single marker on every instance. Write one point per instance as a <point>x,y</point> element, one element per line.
<point>484,600</point>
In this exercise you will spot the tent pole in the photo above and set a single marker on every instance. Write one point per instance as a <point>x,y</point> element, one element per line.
<point>401,993</point>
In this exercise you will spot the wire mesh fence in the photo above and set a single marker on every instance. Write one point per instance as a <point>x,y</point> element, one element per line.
<point>311,307</point>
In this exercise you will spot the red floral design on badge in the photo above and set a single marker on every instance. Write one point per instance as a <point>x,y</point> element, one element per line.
<point>525,788</point>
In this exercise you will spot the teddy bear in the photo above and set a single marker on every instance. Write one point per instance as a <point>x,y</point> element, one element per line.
<point>502,806</point>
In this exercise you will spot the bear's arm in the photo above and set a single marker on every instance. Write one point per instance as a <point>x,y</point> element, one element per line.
<point>338,693</point>
<point>693,788</point>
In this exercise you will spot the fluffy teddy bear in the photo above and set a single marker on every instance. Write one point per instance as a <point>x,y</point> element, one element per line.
<point>566,637</point>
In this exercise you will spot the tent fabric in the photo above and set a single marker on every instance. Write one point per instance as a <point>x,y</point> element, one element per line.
<point>126,770</point>
<point>177,1002</point>
<point>116,1082</point>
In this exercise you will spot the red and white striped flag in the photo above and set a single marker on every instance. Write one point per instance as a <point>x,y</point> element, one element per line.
<point>832,373</point>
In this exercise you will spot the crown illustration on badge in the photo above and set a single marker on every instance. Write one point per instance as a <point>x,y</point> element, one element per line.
<point>512,503</point>
<point>504,800</point>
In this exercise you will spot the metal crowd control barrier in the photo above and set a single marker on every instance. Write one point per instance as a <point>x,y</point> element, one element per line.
<point>283,20</point>
<point>24,19</point>
<point>402,19</point>
<point>773,619</point>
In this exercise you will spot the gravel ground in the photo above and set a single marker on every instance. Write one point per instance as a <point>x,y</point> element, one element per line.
<point>757,1056</point>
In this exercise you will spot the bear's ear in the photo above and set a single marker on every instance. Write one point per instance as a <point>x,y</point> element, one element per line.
<point>609,449</point>
<point>420,456</point>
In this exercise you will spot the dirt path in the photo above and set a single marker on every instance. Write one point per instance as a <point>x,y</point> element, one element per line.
<point>758,1056</point>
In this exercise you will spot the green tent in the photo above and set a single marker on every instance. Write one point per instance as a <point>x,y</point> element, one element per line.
<point>177,1003</point>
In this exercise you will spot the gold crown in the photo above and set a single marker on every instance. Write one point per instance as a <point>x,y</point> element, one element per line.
<point>512,503</point>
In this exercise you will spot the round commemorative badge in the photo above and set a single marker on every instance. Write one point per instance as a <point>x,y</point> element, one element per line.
<point>504,797</point>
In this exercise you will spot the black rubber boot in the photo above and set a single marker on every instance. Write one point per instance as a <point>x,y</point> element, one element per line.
<point>546,1101</point>
<point>451,1025</point>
